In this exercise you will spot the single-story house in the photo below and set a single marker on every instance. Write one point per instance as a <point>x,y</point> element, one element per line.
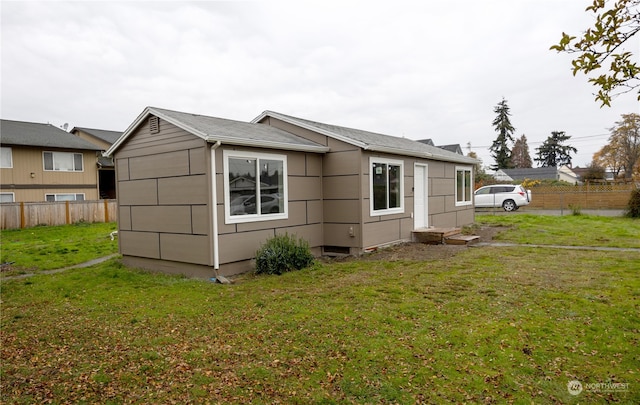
<point>608,175</point>
<point>500,175</point>
<point>188,189</point>
<point>562,173</point>
<point>41,162</point>
<point>106,169</point>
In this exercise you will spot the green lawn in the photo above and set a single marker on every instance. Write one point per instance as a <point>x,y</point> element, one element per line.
<point>491,325</point>
<point>570,230</point>
<point>53,247</point>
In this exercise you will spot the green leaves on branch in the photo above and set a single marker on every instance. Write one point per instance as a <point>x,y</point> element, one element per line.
<point>603,42</point>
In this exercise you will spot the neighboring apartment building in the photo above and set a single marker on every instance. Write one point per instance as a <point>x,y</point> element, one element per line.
<point>40,162</point>
<point>106,169</point>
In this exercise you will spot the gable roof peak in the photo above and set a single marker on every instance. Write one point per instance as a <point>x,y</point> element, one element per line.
<point>214,129</point>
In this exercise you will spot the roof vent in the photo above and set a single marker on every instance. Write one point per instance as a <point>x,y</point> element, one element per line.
<point>154,124</point>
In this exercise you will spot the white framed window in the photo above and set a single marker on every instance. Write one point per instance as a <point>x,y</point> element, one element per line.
<point>386,185</point>
<point>255,186</point>
<point>6,157</point>
<point>62,161</point>
<point>464,185</point>
<point>7,197</point>
<point>64,197</point>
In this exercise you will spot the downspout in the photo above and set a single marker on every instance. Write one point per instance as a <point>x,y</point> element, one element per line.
<point>214,208</point>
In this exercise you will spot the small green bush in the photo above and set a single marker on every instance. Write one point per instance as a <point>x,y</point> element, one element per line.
<point>575,209</point>
<point>633,206</point>
<point>283,253</point>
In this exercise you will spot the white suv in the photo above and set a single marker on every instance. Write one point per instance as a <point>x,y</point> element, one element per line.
<point>508,196</point>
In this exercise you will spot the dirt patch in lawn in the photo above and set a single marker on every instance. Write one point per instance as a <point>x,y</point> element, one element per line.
<point>422,252</point>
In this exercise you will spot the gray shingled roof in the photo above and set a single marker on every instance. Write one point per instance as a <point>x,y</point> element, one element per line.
<point>374,141</point>
<point>105,135</point>
<point>227,131</point>
<point>537,173</point>
<point>455,148</point>
<point>41,135</point>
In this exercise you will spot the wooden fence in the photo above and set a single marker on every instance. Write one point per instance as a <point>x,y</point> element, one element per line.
<point>26,215</point>
<point>587,197</point>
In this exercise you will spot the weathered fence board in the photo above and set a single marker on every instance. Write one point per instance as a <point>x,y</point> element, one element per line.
<point>600,196</point>
<point>26,215</point>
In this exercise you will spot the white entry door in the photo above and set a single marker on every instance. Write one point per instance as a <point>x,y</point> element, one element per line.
<point>420,197</point>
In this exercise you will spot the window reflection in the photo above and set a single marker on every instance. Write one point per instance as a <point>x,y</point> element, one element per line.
<point>245,190</point>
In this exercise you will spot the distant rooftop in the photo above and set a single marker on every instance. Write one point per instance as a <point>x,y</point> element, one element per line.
<point>105,135</point>
<point>42,135</point>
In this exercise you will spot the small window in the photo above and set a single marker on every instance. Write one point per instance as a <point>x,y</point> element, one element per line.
<point>464,184</point>
<point>6,158</point>
<point>7,197</point>
<point>255,186</point>
<point>482,191</point>
<point>386,186</point>
<point>63,161</point>
<point>64,197</point>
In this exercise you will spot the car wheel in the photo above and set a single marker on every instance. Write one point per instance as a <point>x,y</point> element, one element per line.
<point>509,205</point>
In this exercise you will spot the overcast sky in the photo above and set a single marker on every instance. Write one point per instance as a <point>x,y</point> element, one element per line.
<point>415,69</point>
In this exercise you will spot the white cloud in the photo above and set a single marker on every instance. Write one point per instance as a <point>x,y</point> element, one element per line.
<point>414,69</point>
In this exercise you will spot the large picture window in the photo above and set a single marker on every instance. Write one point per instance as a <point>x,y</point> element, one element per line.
<point>386,185</point>
<point>255,186</point>
<point>6,158</point>
<point>464,184</point>
<point>62,161</point>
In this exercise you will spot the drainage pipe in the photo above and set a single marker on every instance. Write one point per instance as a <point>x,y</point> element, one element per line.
<point>214,208</point>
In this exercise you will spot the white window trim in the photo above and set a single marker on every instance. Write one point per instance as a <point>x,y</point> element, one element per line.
<point>455,183</point>
<point>56,195</point>
<point>238,219</point>
<point>13,197</point>
<point>53,154</point>
<point>388,211</point>
<point>10,166</point>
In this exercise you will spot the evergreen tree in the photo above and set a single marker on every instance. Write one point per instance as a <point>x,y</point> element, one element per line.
<point>552,153</point>
<point>520,157</point>
<point>500,151</point>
